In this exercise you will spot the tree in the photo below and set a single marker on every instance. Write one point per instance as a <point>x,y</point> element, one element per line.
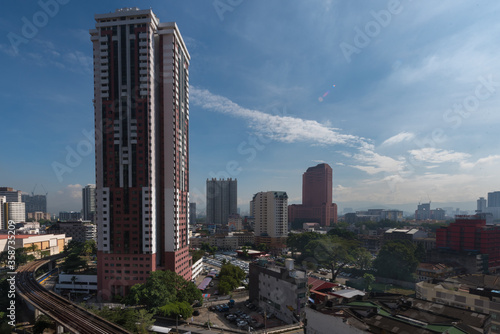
<point>72,263</point>
<point>362,258</point>
<point>298,241</point>
<point>22,256</point>
<point>343,233</point>
<point>136,321</point>
<point>396,260</point>
<point>263,248</point>
<point>161,288</point>
<point>331,251</point>
<point>43,322</point>
<point>197,254</point>
<point>244,249</point>
<point>209,249</point>
<point>230,277</point>
<point>175,309</point>
<point>144,321</point>
<point>420,252</point>
<point>369,279</point>
<point>89,248</point>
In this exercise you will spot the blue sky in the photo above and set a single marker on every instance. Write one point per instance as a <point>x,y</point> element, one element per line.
<point>399,97</point>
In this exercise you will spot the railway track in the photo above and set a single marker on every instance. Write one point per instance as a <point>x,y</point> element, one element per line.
<point>73,317</point>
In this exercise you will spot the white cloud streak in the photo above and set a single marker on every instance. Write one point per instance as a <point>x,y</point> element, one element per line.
<point>437,156</point>
<point>399,138</point>
<point>285,129</point>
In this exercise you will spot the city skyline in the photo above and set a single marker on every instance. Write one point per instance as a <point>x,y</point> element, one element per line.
<point>398,99</point>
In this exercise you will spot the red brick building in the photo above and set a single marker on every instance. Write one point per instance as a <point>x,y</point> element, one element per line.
<point>471,234</point>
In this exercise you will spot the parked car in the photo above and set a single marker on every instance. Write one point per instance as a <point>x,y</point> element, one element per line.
<point>242,323</point>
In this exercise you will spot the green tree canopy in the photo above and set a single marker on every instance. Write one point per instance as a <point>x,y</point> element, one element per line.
<point>161,288</point>
<point>72,263</point>
<point>369,279</point>
<point>176,308</point>
<point>89,248</point>
<point>298,241</point>
<point>332,252</point>
<point>396,260</point>
<point>230,277</point>
<point>343,233</point>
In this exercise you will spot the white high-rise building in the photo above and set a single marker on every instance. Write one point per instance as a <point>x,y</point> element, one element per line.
<point>141,104</point>
<point>16,211</point>
<point>271,214</point>
<point>481,204</point>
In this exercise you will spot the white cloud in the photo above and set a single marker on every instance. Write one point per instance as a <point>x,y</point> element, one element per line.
<point>436,155</point>
<point>375,163</point>
<point>399,138</point>
<point>285,129</point>
<point>488,161</point>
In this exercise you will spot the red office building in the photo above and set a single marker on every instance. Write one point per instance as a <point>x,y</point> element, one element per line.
<point>471,234</point>
<point>141,106</point>
<point>317,206</point>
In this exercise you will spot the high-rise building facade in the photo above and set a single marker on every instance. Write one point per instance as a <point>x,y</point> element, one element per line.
<point>222,198</point>
<point>317,196</point>
<point>494,199</point>
<point>271,218</point>
<point>481,204</point>
<point>192,213</point>
<point>141,102</point>
<point>10,194</point>
<point>15,211</point>
<point>88,202</point>
<point>35,203</point>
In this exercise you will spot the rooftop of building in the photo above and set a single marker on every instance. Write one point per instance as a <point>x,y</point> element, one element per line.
<point>477,281</point>
<point>433,266</point>
<point>397,314</point>
<point>279,269</point>
<point>406,231</point>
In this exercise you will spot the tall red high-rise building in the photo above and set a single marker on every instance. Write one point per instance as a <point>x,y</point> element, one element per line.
<point>317,206</point>
<point>141,102</point>
<point>471,234</point>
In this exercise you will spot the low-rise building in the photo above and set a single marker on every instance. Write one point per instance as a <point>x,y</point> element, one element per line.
<point>392,314</point>
<point>38,215</point>
<point>404,234</point>
<point>478,293</point>
<point>48,244</point>
<point>430,271</point>
<point>281,291</point>
<point>76,283</point>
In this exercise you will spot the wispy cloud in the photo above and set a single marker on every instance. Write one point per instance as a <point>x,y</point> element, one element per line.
<point>489,160</point>
<point>437,155</point>
<point>375,163</point>
<point>285,129</point>
<point>399,138</point>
